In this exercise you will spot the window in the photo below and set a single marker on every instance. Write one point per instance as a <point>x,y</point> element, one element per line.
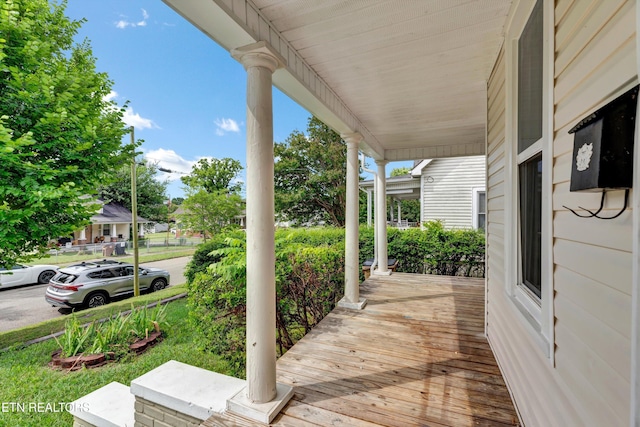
<point>530,177</point>
<point>479,208</point>
<point>106,230</point>
<point>530,91</point>
<point>528,181</point>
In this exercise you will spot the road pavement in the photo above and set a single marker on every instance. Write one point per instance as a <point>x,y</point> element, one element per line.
<point>26,306</point>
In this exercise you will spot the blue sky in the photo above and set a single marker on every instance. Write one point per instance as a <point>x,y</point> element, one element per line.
<point>186,94</point>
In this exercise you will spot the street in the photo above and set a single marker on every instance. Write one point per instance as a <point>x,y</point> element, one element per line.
<point>26,306</point>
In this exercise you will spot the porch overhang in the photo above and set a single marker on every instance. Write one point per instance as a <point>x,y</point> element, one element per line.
<point>411,80</point>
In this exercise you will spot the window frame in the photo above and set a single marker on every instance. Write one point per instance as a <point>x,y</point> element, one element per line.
<point>537,313</point>
<point>475,207</point>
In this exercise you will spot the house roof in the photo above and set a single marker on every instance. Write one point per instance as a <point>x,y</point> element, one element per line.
<point>410,76</point>
<point>399,187</point>
<point>114,213</point>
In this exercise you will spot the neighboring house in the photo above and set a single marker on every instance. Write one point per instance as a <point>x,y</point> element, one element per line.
<point>451,190</point>
<point>433,79</point>
<point>111,223</point>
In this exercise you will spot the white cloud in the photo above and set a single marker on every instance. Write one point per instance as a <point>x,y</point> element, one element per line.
<point>170,160</point>
<point>111,96</point>
<point>226,125</point>
<point>124,23</point>
<point>130,118</point>
<point>135,120</point>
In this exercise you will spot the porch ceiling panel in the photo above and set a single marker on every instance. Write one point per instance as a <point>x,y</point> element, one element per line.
<point>410,75</point>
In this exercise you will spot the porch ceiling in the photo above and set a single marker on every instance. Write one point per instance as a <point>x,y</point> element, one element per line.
<point>409,75</point>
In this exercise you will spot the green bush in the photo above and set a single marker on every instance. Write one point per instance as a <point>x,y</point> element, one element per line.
<point>309,278</point>
<point>309,282</point>
<point>202,257</point>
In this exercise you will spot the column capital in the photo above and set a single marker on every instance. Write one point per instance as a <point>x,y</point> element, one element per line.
<point>259,54</point>
<point>382,162</point>
<point>351,137</point>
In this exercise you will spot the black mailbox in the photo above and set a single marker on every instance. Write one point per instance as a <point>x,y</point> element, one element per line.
<point>603,146</point>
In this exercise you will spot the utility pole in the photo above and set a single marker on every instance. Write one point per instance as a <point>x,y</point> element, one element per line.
<point>134,222</point>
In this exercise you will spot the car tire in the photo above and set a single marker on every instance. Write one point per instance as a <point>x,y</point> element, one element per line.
<point>158,285</point>
<point>45,276</point>
<point>96,299</point>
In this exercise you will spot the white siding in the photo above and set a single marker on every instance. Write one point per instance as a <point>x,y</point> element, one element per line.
<point>447,192</point>
<point>589,384</point>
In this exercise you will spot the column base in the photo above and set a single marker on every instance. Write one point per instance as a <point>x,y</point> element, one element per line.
<point>381,273</point>
<point>261,412</point>
<point>344,303</point>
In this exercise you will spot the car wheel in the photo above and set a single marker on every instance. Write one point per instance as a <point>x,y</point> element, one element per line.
<point>158,285</point>
<point>45,276</point>
<point>96,300</point>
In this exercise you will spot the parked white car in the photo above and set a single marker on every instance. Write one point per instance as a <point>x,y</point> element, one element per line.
<point>20,275</point>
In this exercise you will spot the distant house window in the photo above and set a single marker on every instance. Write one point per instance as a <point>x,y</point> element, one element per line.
<point>479,208</point>
<point>106,230</point>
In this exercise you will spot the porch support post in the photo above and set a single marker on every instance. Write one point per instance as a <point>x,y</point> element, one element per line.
<point>399,211</point>
<point>351,261</point>
<point>381,218</point>
<point>634,416</point>
<point>369,206</point>
<point>260,61</point>
<point>114,232</point>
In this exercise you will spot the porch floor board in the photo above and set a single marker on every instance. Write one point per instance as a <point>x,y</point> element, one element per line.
<point>415,356</point>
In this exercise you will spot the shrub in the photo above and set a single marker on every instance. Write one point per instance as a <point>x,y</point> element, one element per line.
<point>309,281</point>
<point>113,335</point>
<point>309,278</point>
<point>202,257</point>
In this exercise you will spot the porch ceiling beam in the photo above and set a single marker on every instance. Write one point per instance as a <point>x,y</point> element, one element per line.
<point>236,23</point>
<point>436,151</point>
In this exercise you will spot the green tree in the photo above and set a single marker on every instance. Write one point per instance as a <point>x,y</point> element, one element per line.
<point>210,212</point>
<point>400,171</point>
<point>214,175</point>
<point>310,176</point>
<point>151,193</point>
<point>213,199</point>
<point>58,134</point>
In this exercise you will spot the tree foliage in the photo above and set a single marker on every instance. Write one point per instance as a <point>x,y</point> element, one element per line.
<point>400,171</point>
<point>213,199</point>
<point>310,176</point>
<point>210,212</point>
<point>214,175</point>
<point>151,193</point>
<point>58,134</point>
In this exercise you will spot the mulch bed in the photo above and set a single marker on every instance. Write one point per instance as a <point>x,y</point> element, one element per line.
<point>75,363</point>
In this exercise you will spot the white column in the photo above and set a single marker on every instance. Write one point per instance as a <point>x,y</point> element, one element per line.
<point>83,235</point>
<point>399,211</point>
<point>351,262</point>
<point>369,206</point>
<point>260,61</point>
<point>381,218</point>
<point>141,231</point>
<point>114,232</point>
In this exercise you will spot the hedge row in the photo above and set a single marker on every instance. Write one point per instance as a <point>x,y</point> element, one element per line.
<point>309,278</point>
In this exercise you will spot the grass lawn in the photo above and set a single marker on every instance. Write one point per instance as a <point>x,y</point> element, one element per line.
<point>17,337</point>
<point>26,377</point>
<point>153,254</point>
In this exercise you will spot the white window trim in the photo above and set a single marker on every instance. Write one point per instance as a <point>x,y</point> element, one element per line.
<point>475,208</point>
<point>537,314</point>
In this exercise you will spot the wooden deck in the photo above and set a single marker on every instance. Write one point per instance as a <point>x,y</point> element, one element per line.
<point>415,356</point>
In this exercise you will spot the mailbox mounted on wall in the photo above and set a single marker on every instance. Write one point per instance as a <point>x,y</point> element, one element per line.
<point>603,149</point>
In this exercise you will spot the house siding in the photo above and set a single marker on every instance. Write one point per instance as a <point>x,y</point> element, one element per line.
<point>447,192</point>
<point>589,385</point>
